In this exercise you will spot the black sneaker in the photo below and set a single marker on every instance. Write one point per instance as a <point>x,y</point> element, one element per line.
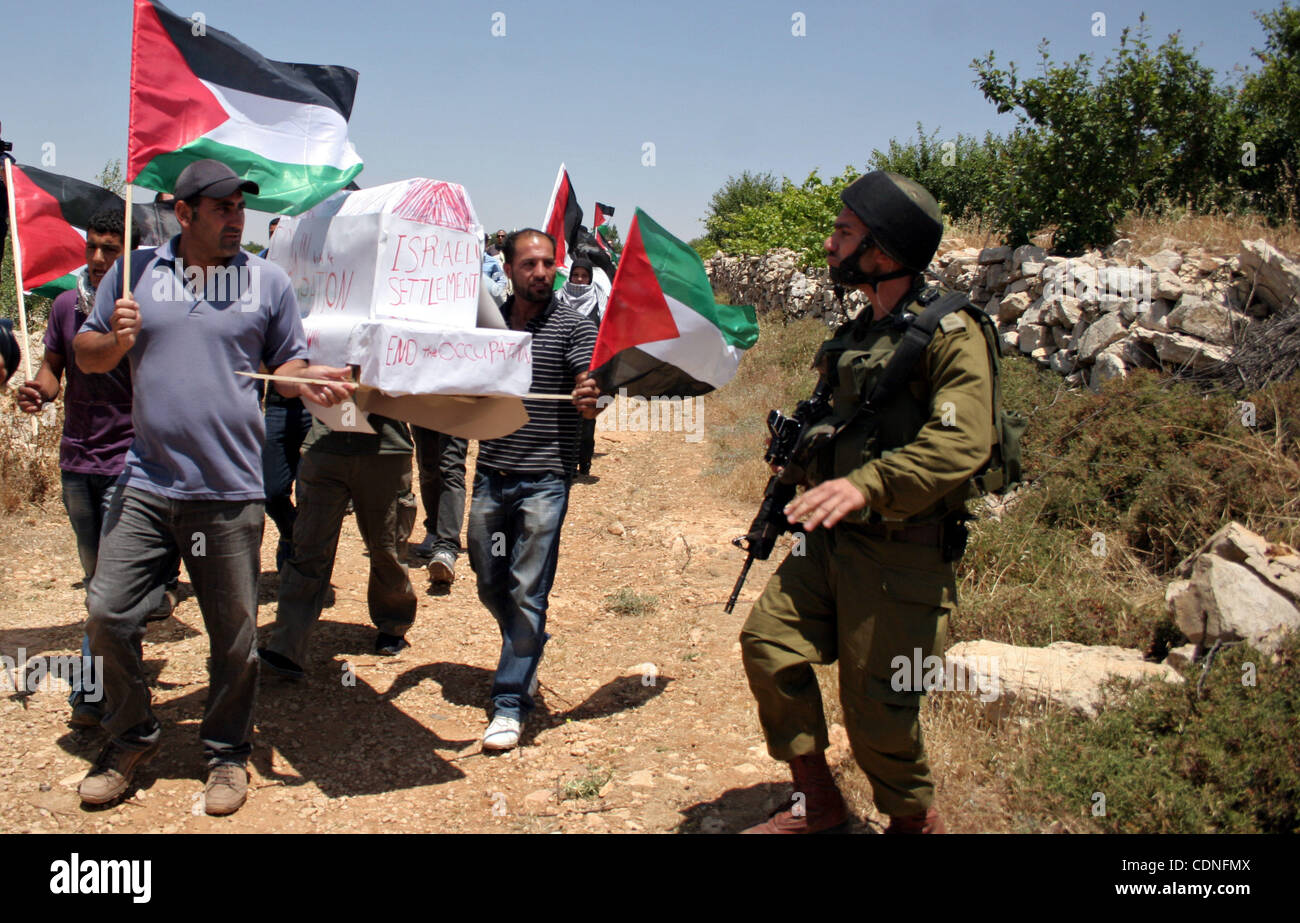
<point>390,645</point>
<point>280,664</point>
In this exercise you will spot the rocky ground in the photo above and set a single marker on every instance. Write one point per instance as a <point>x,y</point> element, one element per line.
<point>645,722</point>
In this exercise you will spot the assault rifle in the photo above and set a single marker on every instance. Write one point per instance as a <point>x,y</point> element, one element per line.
<point>787,438</point>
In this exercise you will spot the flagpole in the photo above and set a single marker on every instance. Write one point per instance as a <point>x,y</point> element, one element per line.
<point>18,277</point>
<point>126,247</point>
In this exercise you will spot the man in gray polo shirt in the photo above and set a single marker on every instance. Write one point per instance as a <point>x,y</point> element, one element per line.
<point>198,310</point>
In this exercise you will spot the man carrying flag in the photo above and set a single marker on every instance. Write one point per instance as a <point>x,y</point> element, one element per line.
<point>521,484</point>
<point>193,476</point>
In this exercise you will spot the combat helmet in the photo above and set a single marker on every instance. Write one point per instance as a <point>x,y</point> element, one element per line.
<point>904,221</point>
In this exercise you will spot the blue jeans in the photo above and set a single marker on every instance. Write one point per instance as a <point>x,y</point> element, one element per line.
<point>514,544</point>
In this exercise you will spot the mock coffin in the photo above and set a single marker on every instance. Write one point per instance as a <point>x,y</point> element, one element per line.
<point>389,281</point>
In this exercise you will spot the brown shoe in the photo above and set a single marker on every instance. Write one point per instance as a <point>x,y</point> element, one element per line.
<point>227,788</point>
<point>820,810</point>
<point>110,777</point>
<point>925,822</point>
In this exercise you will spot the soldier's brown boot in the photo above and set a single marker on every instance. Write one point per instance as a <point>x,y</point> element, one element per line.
<point>819,810</point>
<point>924,822</point>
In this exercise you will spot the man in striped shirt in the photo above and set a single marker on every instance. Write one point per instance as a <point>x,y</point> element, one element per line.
<point>521,484</point>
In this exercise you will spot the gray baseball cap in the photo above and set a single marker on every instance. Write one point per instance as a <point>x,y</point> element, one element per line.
<point>210,178</point>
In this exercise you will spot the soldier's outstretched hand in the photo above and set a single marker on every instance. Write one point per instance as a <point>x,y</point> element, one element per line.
<point>825,505</point>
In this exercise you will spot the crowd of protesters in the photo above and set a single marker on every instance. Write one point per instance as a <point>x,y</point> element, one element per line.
<point>168,456</point>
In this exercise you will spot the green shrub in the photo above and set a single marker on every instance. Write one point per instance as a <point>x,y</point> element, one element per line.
<point>1172,760</point>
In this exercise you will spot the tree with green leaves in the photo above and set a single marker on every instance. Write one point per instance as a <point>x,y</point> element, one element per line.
<point>111,177</point>
<point>1151,129</point>
<point>749,190</point>
<point>1270,114</point>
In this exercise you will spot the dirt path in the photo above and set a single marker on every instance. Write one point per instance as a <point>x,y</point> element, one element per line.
<point>645,722</point>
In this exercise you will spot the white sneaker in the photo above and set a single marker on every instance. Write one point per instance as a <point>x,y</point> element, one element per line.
<point>502,733</point>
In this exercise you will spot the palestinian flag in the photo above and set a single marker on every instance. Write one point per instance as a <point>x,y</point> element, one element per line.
<point>662,333</point>
<point>562,218</point>
<point>53,212</point>
<point>603,212</point>
<point>195,96</point>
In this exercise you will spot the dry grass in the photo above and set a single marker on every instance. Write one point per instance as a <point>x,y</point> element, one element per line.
<point>1214,233</point>
<point>973,231</point>
<point>971,759</point>
<point>775,374</point>
<point>1153,233</point>
<point>29,470</point>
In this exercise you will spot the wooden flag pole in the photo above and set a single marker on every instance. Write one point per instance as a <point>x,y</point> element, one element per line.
<point>317,381</point>
<point>126,248</point>
<point>18,278</point>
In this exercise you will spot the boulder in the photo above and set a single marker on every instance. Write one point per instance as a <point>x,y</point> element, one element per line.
<point>1063,674</point>
<point>990,255</point>
<point>1063,362</point>
<point>1034,314</point>
<point>1202,319</point>
<point>1276,563</point>
<point>1010,337</point>
<point>1031,268</point>
<point>1276,279</point>
<point>1224,601</point>
<point>1182,350</point>
<point>1028,253</point>
<point>1062,310</point>
<point>997,277</point>
<point>1104,368</point>
<point>1164,261</point>
<point>1012,306</point>
<point>1167,285</point>
<point>1182,657</point>
<point>1032,337</point>
<point>1153,315</point>
<point>1133,352</point>
<point>1108,329</point>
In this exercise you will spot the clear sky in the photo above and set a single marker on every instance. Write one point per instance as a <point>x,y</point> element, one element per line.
<point>716,87</point>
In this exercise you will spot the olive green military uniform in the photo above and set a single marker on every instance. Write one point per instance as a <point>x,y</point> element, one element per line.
<point>875,587</point>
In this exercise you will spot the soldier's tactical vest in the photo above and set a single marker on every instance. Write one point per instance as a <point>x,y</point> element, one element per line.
<point>854,359</point>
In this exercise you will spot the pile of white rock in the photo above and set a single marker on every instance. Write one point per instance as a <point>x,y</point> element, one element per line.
<point>1089,318</point>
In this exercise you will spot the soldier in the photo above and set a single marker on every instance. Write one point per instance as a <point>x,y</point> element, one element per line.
<point>872,578</point>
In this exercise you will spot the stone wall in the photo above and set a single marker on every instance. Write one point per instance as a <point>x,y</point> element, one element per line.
<point>1089,318</point>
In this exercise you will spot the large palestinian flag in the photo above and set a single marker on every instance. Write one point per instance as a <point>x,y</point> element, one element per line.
<point>197,92</point>
<point>662,333</point>
<point>53,212</point>
<point>563,216</point>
